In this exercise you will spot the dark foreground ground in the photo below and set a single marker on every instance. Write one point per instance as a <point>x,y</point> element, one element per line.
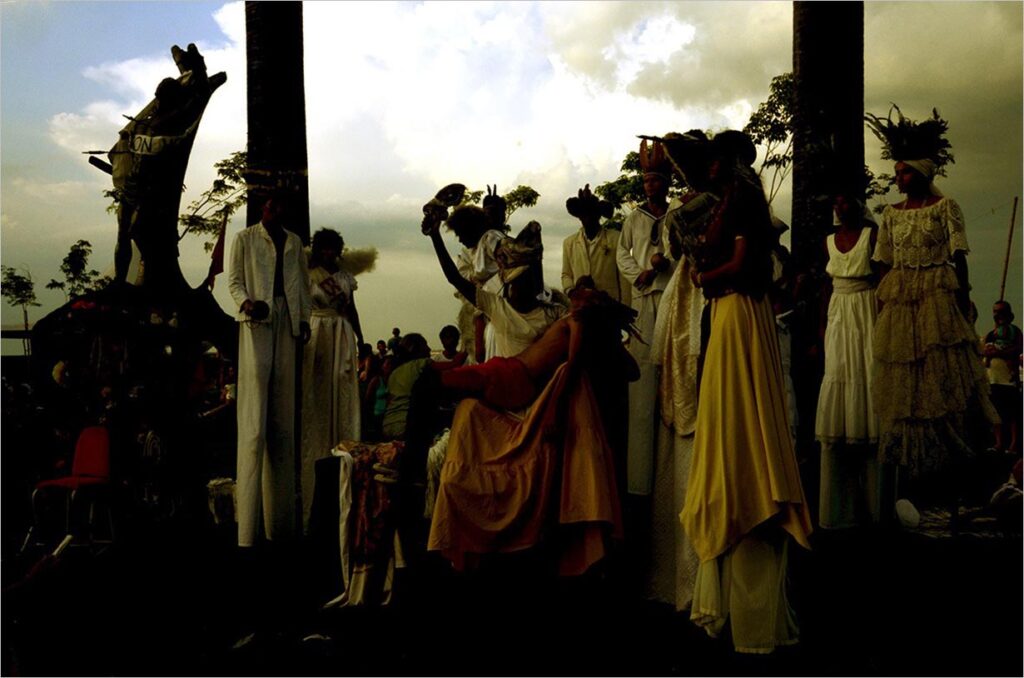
<point>175,598</point>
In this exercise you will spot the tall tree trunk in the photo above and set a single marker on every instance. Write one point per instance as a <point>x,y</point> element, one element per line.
<point>277,138</point>
<point>277,107</point>
<point>828,155</point>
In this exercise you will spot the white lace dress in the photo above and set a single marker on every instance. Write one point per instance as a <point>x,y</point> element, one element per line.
<point>928,374</point>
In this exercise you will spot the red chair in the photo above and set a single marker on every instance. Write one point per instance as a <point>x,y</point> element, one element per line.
<point>89,479</point>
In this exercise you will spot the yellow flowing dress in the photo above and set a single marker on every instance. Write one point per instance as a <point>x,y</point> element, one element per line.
<point>744,498</point>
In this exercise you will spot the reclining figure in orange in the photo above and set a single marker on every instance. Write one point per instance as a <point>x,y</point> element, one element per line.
<point>511,481</point>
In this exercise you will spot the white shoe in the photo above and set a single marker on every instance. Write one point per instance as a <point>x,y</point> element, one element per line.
<point>908,514</point>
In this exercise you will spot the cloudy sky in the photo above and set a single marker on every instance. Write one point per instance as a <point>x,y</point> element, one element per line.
<point>403,98</point>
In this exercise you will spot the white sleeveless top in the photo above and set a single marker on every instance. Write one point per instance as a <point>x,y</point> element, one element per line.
<point>853,264</point>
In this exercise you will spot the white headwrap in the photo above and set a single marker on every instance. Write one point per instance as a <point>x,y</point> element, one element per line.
<point>928,168</point>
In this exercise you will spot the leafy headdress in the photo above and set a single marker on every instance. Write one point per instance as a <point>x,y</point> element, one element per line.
<point>921,145</point>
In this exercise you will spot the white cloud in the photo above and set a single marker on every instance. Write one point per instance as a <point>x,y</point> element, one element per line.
<point>402,98</point>
<point>60,190</point>
<point>651,41</point>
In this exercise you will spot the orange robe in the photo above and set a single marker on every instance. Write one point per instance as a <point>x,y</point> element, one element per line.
<point>510,481</point>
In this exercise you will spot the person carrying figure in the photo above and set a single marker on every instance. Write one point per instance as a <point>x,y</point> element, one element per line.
<point>855,489</point>
<point>330,369</point>
<point>515,310</point>
<point>592,251</point>
<point>479,231</point>
<point>744,500</point>
<point>930,385</point>
<point>517,313</point>
<point>269,282</point>
<point>1002,352</point>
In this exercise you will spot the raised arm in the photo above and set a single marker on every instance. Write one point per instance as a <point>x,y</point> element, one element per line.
<point>451,272</point>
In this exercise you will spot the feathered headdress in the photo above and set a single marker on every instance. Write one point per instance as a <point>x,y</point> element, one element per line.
<point>493,199</point>
<point>905,139</point>
<point>653,159</point>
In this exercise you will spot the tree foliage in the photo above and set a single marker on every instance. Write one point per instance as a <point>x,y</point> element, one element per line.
<point>78,277</point>
<point>877,187</point>
<point>519,197</point>
<point>18,289</point>
<point>207,214</point>
<point>771,126</point>
<point>471,198</point>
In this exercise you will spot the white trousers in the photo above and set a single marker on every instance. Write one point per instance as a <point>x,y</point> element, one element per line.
<point>266,427</point>
<point>643,400</point>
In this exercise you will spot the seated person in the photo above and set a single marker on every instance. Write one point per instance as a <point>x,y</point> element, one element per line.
<point>412,358</point>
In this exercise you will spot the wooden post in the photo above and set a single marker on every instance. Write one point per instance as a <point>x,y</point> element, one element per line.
<point>1009,245</point>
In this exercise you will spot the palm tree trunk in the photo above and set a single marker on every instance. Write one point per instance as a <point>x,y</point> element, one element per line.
<point>828,156</point>
<point>277,107</point>
<point>276,152</point>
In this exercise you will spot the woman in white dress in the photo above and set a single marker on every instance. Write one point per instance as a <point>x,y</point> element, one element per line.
<point>853,483</point>
<point>330,369</point>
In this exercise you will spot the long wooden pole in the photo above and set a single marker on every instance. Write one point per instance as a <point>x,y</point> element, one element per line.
<point>1009,244</point>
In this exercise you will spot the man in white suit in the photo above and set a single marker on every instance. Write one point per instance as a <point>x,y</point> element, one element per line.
<point>269,282</point>
<point>591,251</point>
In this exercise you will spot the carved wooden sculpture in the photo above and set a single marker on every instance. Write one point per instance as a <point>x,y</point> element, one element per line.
<point>147,165</point>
